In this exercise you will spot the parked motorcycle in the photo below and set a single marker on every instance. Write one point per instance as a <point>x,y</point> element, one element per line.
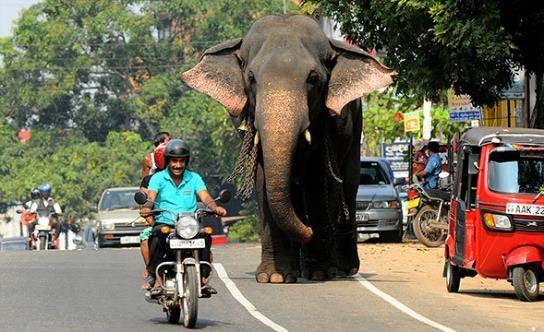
<point>181,271</point>
<point>428,211</point>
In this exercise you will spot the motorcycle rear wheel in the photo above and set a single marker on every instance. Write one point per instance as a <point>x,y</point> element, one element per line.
<point>190,299</point>
<point>431,237</point>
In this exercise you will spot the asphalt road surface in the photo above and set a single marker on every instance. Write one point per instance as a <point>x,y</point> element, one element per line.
<point>92,290</point>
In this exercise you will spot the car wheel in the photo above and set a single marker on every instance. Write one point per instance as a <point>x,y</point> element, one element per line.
<point>393,237</point>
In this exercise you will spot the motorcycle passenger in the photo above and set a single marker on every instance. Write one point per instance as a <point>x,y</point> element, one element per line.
<point>176,189</point>
<point>149,165</point>
<point>47,204</point>
<point>158,157</point>
<point>28,218</point>
<point>433,167</point>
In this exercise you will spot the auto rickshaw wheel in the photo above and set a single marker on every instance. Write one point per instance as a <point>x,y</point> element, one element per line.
<point>453,277</point>
<point>430,236</point>
<point>525,282</point>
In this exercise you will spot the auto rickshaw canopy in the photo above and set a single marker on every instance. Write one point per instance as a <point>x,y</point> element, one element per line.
<point>486,135</point>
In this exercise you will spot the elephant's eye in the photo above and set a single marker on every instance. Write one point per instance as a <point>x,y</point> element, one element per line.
<point>251,77</point>
<point>313,78</point>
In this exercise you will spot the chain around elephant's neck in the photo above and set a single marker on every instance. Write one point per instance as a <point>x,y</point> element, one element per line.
<point>246,165</point>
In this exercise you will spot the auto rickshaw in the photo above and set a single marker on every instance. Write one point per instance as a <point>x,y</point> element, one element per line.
<point>496,227</point>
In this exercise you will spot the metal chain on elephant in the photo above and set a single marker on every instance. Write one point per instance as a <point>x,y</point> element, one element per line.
<point>246,165</point>
<point>332,170</point>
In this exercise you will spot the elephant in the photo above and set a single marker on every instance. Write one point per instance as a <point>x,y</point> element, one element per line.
<point>300,94</point>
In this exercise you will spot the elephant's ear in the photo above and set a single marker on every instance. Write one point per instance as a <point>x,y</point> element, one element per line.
<point>218,74</point>
<point>354,74</point>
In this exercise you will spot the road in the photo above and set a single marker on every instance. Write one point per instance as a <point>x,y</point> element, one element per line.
<point>92,290</point>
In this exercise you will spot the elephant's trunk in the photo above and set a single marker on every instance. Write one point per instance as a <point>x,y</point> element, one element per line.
<point>280,121</point>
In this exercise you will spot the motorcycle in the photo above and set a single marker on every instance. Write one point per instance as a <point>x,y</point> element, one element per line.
<point>181,271</point>
<point>428,211</point>
<point>42,237</point>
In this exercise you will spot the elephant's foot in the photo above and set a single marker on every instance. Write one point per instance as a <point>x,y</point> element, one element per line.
<point>266,273</point>
<point>347,273</point>
<point>319,274</point>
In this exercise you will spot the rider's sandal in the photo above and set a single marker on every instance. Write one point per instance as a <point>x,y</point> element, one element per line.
<point>155,291</point>
<point>208,291</point>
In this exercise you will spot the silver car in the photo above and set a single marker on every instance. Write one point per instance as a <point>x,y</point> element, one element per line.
<point>118,222</point>
<point>378,206</point>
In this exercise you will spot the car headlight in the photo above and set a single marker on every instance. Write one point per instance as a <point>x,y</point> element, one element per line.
<point>385,205</point>
<point>497,221</point>
<point>187,227</point>
<point>107,226</point>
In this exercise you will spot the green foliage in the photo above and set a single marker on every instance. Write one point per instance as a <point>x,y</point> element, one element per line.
<point>433,44</point>
<point>90,78</point>
<point>379,125</point>
<point>246,230</point>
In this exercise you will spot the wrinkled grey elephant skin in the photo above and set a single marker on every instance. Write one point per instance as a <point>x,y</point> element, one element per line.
<point>301,92</point>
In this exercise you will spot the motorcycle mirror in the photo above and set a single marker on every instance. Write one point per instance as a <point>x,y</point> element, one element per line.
<point>443,175</point>
<point>19,211</point>
<point>140,197</point>
<point>224,196</point>
<point>399,181</point>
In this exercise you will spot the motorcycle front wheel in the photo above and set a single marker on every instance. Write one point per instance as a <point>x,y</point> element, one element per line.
<point>43,242</point>
<point>190,298</point>
<point>430,236</point>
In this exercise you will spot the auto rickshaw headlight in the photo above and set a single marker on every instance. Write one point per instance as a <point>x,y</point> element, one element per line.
<point>497,221</point>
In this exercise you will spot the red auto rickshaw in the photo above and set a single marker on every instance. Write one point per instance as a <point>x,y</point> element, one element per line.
<point>496,227</point>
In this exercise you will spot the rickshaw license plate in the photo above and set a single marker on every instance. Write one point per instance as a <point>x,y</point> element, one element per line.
<point>525,209</point>
<point>187,244</point>
<point>361,216</point>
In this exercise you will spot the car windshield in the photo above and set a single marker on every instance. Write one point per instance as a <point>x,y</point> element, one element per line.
<point>516,172</point>
<point>118,199</point>
<point>372,173</point>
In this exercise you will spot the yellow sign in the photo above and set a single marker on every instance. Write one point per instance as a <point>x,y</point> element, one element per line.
<point>411,121</point>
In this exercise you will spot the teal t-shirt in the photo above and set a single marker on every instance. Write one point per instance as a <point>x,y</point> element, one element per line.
<point>174,198</point>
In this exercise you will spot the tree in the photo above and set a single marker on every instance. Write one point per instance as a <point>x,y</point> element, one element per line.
<point>437,44</point>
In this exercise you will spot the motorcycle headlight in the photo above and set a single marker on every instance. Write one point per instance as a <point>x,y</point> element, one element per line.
<point>187,227</point>
<point>497,221</point>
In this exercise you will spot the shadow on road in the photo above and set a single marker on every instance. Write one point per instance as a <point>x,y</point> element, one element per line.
<point>494,294</point>
<point>200,324</point>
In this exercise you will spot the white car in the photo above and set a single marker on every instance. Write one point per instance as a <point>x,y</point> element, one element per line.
<point>118,221</point>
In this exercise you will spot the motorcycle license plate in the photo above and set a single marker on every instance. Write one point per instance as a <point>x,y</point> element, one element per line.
<point>129,239</point>
<point>361,216</point>
<point>43,227</point>
<point>413,203</point>
<point>187,244</point>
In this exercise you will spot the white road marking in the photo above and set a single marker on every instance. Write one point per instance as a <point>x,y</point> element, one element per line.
<point>391,300</point>
<point>233,289</point>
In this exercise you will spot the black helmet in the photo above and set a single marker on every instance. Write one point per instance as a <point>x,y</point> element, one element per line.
<point>177,148</point>
<point>34,193</point>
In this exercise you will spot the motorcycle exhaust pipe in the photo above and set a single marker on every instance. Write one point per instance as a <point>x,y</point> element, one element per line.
<point>148,298</point>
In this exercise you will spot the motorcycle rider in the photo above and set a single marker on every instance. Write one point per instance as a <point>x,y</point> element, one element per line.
<point>47,203</point>
<point>176,189</point>
<point>433,167</point>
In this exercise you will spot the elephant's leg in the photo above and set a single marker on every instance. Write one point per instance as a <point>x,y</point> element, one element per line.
<point>318,256</point>
<point>346,233</point>
<point>279,258</point>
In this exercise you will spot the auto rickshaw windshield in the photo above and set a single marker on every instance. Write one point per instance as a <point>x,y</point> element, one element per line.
<point>516,171</point>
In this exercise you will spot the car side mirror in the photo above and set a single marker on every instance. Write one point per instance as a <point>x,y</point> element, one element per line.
<point>399,181</point>
<point>224,196</point>
<point>140,197</point>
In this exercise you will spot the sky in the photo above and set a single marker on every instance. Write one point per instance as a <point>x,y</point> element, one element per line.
<point>10,11</point>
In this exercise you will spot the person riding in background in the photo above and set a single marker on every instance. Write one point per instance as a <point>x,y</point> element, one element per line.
<point>158,156</point>
<point>149,165</point>
<point>47,204</point>
<point>433,167</point>
<point>176,189</point>
<point>28,218</point>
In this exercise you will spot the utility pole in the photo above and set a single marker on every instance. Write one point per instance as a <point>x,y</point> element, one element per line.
<point>284,7</point>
